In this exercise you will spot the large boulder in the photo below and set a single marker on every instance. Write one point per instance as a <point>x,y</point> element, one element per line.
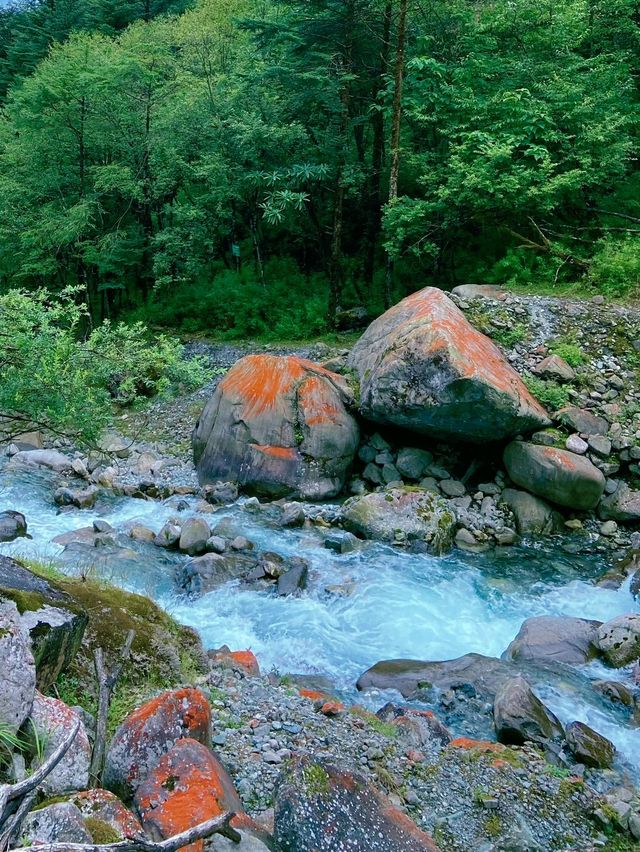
<point>150,732</point>
<point>401,514</point>
<point>202,574</point>
<point>12,525</point>
<point>278,426</point>
<point>50,459</point>
<point>484,674</point>
<point>519,715</point>
<point>555,638</point>
<point>422,366</point>
<point>589,747</point>
<point>52,722</point>
<point>18,669</point>
<point>532,515</point>
<point>58,823</point>
<point>188,786</point>
<point>623,505</point>
<point>557,475</point>
<point>107,809</point>
<point>320,807</point>
<point>619,640</point>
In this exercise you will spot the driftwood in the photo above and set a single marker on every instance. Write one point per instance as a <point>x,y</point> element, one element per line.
<point>218,825</point>
<point>107,681</point>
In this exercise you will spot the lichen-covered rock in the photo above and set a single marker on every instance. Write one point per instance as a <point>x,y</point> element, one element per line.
<point>424,367</point>
<point>320,807</point>
<point>557,475</point>
<point>555,638</point>
<point>619,640</point>
<point>52,722</point>
<point>58,823</point>
<point>278,426</point>
<point>103,806</point>
<point>623,505</point>
<point>519,715</point>
<point>589,747</point>
<point>401,514</point>
<point>12,525</point>
<point>188,786</point>
<point>18,669</point>
<point>150,732</point>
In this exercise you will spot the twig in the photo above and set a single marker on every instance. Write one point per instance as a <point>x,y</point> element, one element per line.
<point>107,681</point>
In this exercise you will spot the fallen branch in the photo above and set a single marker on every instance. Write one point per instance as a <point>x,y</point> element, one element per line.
<point>218,825</point>
<point>107,681</point>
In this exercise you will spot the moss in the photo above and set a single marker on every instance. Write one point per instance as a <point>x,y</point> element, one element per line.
<point>315,779</point>
<point>101,832</point>
<point>25,601</point>
<point>385,729</point>
<point>509,337</point>
<point>493,826</point>
<point>550,394</point>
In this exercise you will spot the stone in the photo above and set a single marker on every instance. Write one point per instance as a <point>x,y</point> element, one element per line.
<point>465,540</point>
<point>423,367</point>
<point>12,525</point>
<point>600,445</point>
<point>555,475</point>
<point>623,505</point>
<point>138,532</point>
<point>589,747</point>
<point>187,786</point>
<point>555,368</point>
<point>245,661</point>
<point>216,544</point>
<point>616,692</point>
<point>58,823</point>
<point>52,722</point>
<point>220,493</point>
<point>278,426</point>
<point>18,669</point>
<point>293,580</point>
<point>150,732</point>
<point>56,635</point>
<point>470,292</point>
<point>293,515</point>
<point>582,421</point>
<point>555,638</point>
<point>194,535</point>
<point>168,537</point>
<point>414,513</point>
<point>619,640</point>
<point>51,459</point>
<point>452,488</point>
<point>322,807</point>
<point>103,806</point>
<point>532,515</point>
<point>609,528</point>
<point>81,498</point>
<point>519,716</point>
<point>575,444</point>
<point>413,462</point>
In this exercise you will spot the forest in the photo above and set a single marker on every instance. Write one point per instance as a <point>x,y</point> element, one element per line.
<point>274,169</point>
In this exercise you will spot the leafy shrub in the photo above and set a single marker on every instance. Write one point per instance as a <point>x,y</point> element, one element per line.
<point>510,337</point>
<point>615,269</point>
<point>552,395</point>
<point>569,352</point>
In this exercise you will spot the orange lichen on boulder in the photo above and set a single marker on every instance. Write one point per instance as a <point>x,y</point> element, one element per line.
<point>187,787</point>
<point>246,660</point>
<point>104,806</point>
<point>476,745</point>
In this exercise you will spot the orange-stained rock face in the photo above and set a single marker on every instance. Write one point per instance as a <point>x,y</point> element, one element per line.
<point>476,745</point>
<point>188,786</point>
<point>150,732</point>
<point>278,426</point>
<point>423,367</point>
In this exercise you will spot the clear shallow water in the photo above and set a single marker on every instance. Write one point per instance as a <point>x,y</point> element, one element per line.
<point>383,604</point>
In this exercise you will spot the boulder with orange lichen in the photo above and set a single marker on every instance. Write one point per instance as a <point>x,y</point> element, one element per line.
<point>102,809</point>
<point>150,732</point>
<point>424,367</point>
<point>320,807</point>
<point>557,475</point>
<point>188,786</point>
<point>278,426</point>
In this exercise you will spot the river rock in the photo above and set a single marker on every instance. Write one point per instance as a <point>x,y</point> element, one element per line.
<point>51,459</point>
<point>589,747</point>
<point>58,823</point>
<point>188,786</point>
<point>169,536</point>
<point>150,732</point>
<point>532,515</point>
<point>623,505</point>
<point>619,640</point>
<point>12,525</point>
<point>582,421</point>
<point>194,535</point>
<point>401,514</point>
<point>424,367</point>
<point>555,638</point>
<point>556,475</point>
<point>52,722</point>
<point>412,462</point>
<point>485,675</point>
<point>278,426</point>
<point>81,498</point>
<point>321,807</point>
<point>18,669</point>
<point>519,715</point>
<point>555,368</point>
<point>204,573</point>
<point>614,691</point>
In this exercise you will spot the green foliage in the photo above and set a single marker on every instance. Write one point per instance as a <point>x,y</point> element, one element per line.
<point>615,267</point>
<point>552,395</point>
<point>53,376</point>
<point>569,352</point>
<point>509,337</point>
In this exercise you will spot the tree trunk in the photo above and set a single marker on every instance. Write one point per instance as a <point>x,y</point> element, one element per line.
<point>396,118</point>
